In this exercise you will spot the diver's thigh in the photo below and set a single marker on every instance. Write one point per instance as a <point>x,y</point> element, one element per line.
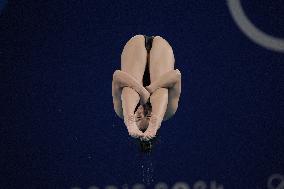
<point>134,57</point>
<point>161,58</point>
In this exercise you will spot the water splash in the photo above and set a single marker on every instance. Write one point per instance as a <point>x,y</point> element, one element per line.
<point>147,169</point>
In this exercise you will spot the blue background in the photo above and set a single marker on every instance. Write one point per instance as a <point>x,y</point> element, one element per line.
<point>58,126</point>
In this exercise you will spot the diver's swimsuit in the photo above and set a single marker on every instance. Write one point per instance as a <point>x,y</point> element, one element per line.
<point>148,46</point>
<point>148,42</point>
<point>146,146</point>
<point>146,76</point>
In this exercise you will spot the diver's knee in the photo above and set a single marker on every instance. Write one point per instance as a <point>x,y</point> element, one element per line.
<point>116,74</point>
<point>159,41</point>
<point>137,37</point>
<point>137,40</point>
<point>178,72</point>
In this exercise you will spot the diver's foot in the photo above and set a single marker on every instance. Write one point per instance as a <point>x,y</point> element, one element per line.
<point>149,134</point>
<point>132,127</point>
<point>134,132</point>
<point>152,129</point>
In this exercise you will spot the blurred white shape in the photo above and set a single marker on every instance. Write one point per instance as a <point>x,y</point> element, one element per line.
<point>200,185</point>
<point>93,187</point>
<point>138,186</point>
<point>111,187</point>
<point>251,31</point>
<point>161,185</point>
<point>181,185</point>
<point>275,181</point>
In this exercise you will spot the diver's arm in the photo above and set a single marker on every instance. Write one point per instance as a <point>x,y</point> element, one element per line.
<point>170,80</point>
<point>122,79</point>
<point>116,97</point>
<point>125,99</point>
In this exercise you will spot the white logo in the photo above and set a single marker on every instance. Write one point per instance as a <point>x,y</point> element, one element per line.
<point>275,181</point>
<point>251,31</point>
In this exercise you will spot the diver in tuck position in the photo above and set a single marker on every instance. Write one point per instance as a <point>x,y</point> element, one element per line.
<point>146,90</point>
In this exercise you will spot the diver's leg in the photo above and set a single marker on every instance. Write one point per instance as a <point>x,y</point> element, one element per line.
<point>161,58</point>
<point>133,61</point>
<point>159,102</point>
<point>130,99</point>
<point>134,57</point>
<point>161,62</point>
<point>123,79</point>
<point>168,80</point>
<point>172,81</point>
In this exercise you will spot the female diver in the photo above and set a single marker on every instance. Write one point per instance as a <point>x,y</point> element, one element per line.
<point>146,90</point>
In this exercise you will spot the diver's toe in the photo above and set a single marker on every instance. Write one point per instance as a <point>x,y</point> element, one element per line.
<point>143,137</point>
<point>133,134</point>
<point>136,134</point>
<point>140,134</point>
<point>151,136</point>
<point>148,137</point>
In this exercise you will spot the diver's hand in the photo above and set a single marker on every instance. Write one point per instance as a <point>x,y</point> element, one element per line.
<point>154,125</point>
<point>150,89</point>
<point>132,127</point>
<point>149,134</point>
<point>144,96</point>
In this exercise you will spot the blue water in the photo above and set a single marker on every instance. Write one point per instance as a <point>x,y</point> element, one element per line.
<point>58,126</point>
